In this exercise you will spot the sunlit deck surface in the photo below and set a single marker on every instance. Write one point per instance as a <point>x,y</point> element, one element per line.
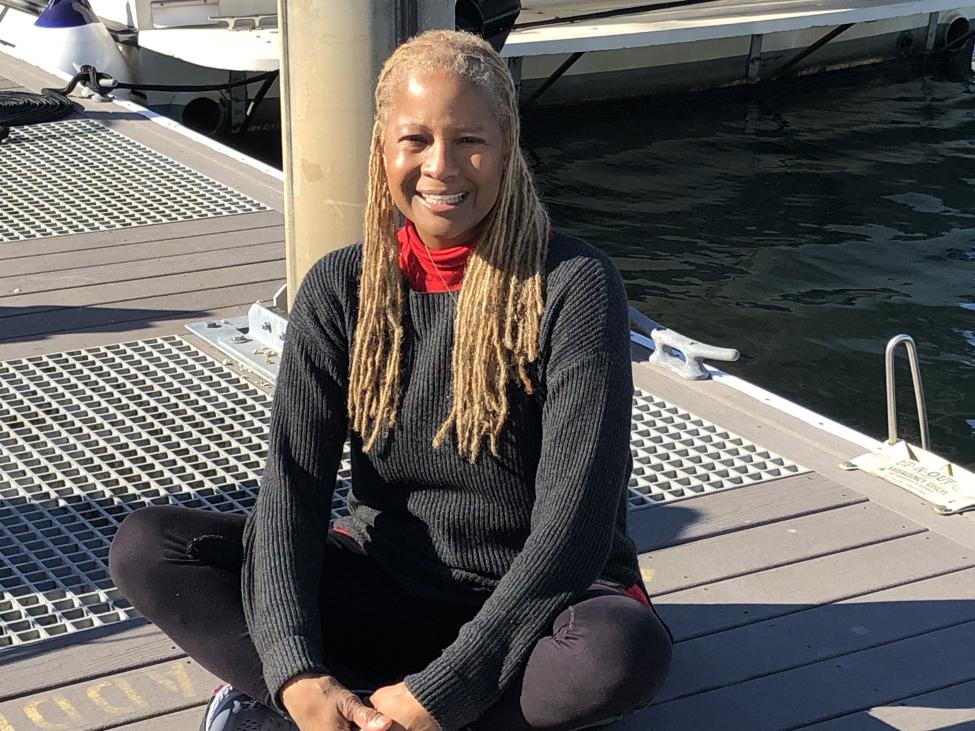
<point>824,598</point>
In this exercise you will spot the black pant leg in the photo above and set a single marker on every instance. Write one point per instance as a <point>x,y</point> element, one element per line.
<point>607,656</point>
<point>180,567</point>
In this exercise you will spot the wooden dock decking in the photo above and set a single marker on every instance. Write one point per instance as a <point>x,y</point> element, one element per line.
<point>827,599</point>
<point>96,288</point>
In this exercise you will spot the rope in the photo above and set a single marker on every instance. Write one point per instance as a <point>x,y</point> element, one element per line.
<point>22,107</point>
<point>104,84</point>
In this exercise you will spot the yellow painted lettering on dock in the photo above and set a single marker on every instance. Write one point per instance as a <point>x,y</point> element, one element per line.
<point>5,724</point>
<point>36,716</point>
<point>94,693</point>
<point>69,710</point>
<point>175,679</point>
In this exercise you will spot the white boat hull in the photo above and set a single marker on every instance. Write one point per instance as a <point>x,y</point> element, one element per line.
<point>176,54</point>
<point>710,46</point>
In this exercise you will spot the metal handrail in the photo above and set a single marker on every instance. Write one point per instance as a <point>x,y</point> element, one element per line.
<point>922,413</point>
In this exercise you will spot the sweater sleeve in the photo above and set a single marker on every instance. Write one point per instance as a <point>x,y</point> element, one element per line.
<point>284,533</point>
<point>580,479</point>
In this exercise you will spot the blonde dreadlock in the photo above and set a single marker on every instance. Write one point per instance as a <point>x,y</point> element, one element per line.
<point>500,304</point>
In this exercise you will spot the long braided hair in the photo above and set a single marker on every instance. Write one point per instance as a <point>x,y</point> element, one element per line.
<point>501,299</point>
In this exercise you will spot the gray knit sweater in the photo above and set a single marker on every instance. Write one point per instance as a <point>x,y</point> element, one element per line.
<point>520,534</point>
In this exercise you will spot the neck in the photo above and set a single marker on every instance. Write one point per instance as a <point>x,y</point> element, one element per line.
<point>429,269</point>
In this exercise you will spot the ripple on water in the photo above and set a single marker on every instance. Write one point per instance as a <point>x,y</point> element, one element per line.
<point>804,230</point>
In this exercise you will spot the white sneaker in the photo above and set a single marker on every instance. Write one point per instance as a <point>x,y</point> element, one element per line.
<point>231,710</point>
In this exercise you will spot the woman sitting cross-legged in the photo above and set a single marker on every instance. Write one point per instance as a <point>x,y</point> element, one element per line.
<point>479,364</point>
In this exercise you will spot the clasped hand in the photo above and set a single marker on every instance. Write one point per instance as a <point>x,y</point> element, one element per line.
<point>321,703</point>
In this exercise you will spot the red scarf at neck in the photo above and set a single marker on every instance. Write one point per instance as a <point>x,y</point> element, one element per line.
<point>431,270</point>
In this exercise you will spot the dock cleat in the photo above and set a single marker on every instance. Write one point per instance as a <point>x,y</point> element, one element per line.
<point>231,710</point>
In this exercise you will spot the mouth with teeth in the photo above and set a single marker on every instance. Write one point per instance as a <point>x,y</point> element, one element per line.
<point>441,203</point>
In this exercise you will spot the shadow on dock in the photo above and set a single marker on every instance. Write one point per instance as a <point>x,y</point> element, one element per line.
<point>39,322</point>
<point>738,664</point>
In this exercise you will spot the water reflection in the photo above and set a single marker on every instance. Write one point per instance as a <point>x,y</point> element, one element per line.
<point>804,229</point>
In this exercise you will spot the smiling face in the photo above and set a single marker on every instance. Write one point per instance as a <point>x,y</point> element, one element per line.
<point>443,155</point>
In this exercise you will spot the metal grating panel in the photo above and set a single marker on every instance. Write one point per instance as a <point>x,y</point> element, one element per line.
<point>88,436</point>
<point>677,455</point>
<point>78,176</point>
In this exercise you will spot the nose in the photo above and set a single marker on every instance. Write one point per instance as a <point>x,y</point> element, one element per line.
<point>440,162</point>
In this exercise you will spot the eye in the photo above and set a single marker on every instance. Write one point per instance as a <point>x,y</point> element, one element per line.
<point>413,141</point>
<point>469,140</point>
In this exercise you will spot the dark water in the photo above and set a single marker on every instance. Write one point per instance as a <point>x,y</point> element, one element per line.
<point>804,229</point>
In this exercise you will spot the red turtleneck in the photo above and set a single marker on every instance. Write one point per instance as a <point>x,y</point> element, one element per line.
<point>421,265</point>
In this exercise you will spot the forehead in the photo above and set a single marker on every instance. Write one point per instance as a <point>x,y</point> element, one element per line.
<point>442,97</point>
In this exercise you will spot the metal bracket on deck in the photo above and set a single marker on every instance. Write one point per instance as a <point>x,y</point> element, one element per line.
<point>267,325</point>
<point>255,341</point>
<point>677,352</point>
